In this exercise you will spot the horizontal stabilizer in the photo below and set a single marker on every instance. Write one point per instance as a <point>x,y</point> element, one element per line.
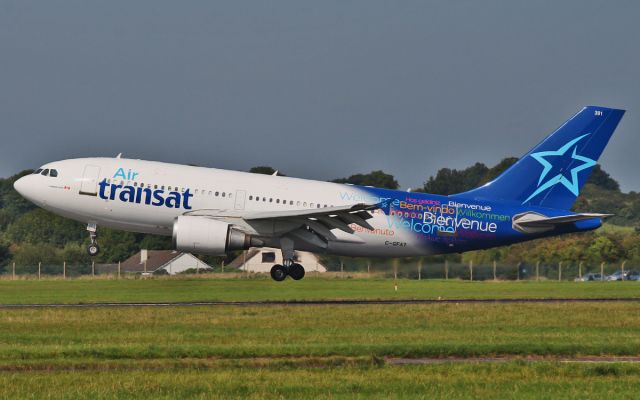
<point>531,222</point>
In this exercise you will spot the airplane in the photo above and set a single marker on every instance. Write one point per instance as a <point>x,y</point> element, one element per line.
<point>213,211</point>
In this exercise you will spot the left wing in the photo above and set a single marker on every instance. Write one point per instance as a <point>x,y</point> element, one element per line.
<point>316,226</point>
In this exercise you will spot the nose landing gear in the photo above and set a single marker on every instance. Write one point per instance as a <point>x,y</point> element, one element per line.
<point>93,248</point>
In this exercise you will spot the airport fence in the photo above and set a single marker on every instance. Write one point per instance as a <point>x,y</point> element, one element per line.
<point>347,268</point>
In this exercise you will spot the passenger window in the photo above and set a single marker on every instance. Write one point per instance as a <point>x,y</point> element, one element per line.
<point>304,204</point>
<point>270,200</point>
<point>217,194</point>
<point>53,173</point>
<point>45,172</point>
<point>291,203</point>
<point>311,205</point>
<point>223,194</point>
<point>196,191</point>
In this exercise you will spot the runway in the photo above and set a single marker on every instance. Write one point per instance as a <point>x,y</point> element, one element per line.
<point>279,303</point>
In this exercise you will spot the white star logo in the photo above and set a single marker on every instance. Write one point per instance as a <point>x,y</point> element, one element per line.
<point>572,184</point>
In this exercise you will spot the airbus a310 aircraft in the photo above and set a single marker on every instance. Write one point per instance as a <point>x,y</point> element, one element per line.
<point>213,211</point>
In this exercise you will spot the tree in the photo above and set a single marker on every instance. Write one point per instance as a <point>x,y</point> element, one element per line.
<point>27,256</point>
<point>375,178</point>
<point>603,180</point>
<point>40,226</point>
<point>603,249</point>
<point>11,203</point>
<point>449,181</point>
<point>155,242</point>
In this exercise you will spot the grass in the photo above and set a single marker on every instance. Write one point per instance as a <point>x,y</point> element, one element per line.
<point>448,381</point>
<point>314,351</point>
<point>434,330</point>
<point>199,289</point>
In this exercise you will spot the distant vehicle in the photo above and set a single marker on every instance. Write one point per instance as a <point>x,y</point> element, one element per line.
<point>626,276</point>
<point>589,277</point>
<point>213,211</point>
<point>633,276</point>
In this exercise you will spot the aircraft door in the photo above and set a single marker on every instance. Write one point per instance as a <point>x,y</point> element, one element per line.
<point>89,183</point>
<point>240,198</point>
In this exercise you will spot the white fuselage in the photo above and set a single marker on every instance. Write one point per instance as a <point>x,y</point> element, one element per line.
<point>80,192</point>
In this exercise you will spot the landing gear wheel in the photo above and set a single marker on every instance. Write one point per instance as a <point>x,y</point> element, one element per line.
<point>296,271</point>
<point>278,273</point>
<point>93,249</point>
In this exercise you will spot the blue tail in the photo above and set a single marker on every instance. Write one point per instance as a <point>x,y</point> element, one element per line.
<point>552,174</point>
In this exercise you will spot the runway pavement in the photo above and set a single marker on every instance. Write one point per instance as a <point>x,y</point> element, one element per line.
<point>277,303</point>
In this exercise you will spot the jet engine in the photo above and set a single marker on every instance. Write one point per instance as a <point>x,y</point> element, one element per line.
<point>205,235</point>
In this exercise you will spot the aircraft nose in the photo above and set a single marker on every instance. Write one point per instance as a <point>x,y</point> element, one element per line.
<point>20,185</point>
<point>25,186</point>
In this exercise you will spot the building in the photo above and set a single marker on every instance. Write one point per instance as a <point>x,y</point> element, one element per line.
<point>262,259</point>
<point>163,261</point>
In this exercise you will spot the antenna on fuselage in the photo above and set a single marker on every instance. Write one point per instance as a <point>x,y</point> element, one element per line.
<point>119,155</point>
<point>275,173</point>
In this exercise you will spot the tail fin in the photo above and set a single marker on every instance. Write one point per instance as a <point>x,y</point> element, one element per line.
<point>552,174</point>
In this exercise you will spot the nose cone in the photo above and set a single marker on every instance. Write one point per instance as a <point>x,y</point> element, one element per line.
<point>21,186</point>
<point>27,188</point>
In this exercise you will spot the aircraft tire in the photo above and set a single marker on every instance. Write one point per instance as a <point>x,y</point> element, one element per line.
<point>93,249</point>
<point>278,273</point>
<point>296,271</point>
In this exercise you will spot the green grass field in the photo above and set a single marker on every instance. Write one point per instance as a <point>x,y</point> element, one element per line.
<point>315,351</point>
<point>199,289</point>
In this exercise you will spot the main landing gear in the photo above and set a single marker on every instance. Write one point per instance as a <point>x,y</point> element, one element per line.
<point>290,267</point>
<point>93,248</point>
<point>280,272</point>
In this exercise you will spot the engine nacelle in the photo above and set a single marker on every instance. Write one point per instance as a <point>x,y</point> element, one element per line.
<point>204,235</point>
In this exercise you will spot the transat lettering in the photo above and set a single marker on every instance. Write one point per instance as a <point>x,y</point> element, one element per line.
<point>139,195</point>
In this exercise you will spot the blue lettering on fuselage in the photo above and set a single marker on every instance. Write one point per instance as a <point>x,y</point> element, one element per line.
<point>139,195</point>
<point>129,175</point>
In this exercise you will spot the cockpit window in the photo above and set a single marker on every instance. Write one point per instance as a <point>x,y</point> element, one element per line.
<point>45,172</point>
<point>37,172</point>
<point>53,173</point>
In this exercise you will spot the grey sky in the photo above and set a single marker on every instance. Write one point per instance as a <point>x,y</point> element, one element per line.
<point>319,89</point>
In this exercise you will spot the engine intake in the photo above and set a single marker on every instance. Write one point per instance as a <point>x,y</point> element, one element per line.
<point>205,235</point>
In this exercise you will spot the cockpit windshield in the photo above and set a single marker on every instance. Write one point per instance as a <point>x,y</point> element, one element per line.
<point>46,172</point>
